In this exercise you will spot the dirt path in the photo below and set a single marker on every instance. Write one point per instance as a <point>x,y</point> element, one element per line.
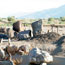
<point>58,61</point>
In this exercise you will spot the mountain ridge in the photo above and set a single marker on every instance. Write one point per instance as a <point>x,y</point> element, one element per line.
<point>53,12</point>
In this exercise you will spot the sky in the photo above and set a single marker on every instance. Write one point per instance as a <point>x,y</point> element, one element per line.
<point>15,7</point>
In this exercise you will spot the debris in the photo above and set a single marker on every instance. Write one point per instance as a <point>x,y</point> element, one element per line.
<point>50,37</point>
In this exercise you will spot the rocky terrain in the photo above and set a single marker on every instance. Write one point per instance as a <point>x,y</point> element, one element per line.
<point>51,42</point>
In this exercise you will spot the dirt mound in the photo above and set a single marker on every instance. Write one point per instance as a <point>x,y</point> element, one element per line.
<point>51,42</point>
<point>50,37</point>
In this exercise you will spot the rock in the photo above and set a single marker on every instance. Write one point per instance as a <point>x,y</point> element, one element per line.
<point>17,59</point>
<point>17,26</point>
<point>12,49</point>
<point>20,59</point>
<point>24,34</point>
<point>43,64</point>
<point>3,30</point>
<point>10,33</point>
<point>2,54</point>
<point>37,27</point>
<point>38,56</point>
<point>34,52</point>
<point>6,63</point>
<point>7,57</point>
<point>3,36</point>
<point>47,57</point>
<point>24,48</point>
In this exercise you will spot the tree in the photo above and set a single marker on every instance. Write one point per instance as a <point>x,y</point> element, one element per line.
<point>62,18</point>
<point>12,18</point>
<point>51,19</point>
<point>0,19</point>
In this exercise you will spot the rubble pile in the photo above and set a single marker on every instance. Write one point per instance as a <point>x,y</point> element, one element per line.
<point>47,38</point>
<point>12,55</point>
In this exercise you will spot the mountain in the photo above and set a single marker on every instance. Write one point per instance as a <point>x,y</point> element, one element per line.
<point>54,12</point>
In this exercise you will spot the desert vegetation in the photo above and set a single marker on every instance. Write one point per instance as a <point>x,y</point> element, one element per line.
<point>10,20</point>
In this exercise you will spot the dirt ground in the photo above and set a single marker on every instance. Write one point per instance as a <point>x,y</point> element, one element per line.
<point>51,42</point>
<point>58,61</point>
